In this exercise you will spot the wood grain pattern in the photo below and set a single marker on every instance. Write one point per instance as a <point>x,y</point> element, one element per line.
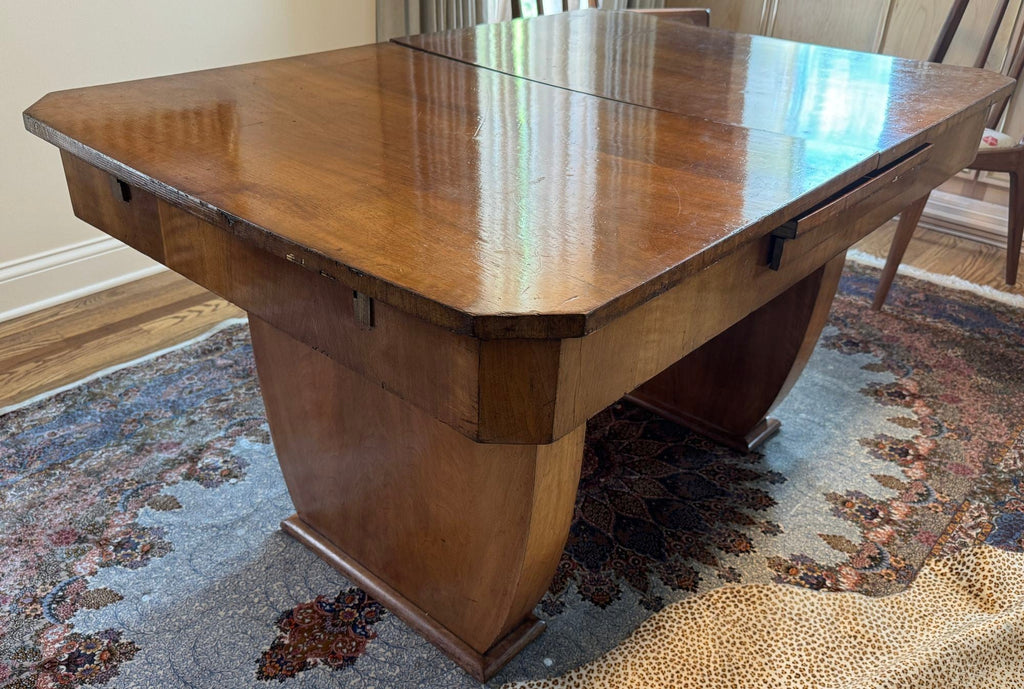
<point>519,257</point>
<point>52,326</point>
<point>431,367</point>
<point>107,202</point>
<point>670,63</point>
<point>26,377</point>
<point>68,342</point>
<point>428,262</point>
<point>66,329</point>
<point>481,666</point>
<point>469,533</point>
<point>945,254</point>
<point>727,387</point>
<point>490,276</point>
<point>614,360</point>
<point>518,391</point>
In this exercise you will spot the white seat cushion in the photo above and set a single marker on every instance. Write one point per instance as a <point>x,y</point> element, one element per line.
<point>995,139</point>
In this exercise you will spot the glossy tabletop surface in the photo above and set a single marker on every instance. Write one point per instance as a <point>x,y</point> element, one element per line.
<point>462,193</point>
<point>815,93</point>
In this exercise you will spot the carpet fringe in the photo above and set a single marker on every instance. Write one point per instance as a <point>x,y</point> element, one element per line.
<point>948,281</point>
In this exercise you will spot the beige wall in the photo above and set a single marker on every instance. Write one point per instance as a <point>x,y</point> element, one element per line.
<point>46,254</point>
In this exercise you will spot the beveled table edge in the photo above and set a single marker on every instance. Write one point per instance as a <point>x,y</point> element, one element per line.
<point>500,325</point>
<point>482,326</point>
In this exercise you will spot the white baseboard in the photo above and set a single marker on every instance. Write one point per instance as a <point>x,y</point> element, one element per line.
<point>950,281</point>
<point>35,282</point>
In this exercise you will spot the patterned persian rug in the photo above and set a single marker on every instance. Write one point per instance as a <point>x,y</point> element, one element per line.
<point>139,540</point>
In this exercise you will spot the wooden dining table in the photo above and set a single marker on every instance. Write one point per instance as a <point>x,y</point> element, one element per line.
<point>456,248</point>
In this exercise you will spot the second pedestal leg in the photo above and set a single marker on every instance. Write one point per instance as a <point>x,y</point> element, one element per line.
<point>725,388</point>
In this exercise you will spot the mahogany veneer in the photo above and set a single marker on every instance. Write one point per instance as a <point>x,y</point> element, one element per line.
<point>452,258</point>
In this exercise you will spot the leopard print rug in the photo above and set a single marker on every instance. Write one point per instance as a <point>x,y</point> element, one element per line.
<point>961,624</point>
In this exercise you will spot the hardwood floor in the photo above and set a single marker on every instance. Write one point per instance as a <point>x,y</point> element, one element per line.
<point>937,252</point>
<point>65,343</point>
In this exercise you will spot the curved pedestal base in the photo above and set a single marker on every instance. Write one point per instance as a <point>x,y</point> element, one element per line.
<point>460,539</point>
<point>481,666</point>
<point>726,388</point>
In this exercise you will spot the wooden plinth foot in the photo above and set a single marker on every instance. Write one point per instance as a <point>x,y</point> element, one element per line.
<point>749,442</point>
<point>482,666</point>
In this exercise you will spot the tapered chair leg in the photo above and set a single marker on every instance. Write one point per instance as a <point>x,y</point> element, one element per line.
<point>1016,227</point>
<point>904,231</point>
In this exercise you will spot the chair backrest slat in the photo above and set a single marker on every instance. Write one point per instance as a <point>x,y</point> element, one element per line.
<point>949,27</point>
<point>1014,59</point>
<point>542,5</point>
<point>1017,62</point>
<point>990,33</point>
<point>517,6</point>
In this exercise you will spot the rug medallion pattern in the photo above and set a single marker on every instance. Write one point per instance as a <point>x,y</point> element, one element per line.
<point>138,512</point>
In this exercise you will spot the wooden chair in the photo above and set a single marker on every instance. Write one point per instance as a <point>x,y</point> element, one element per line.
<point>698,16</point>
<point>690,15</point>
<point>517,6</point>
<point>997,152</point>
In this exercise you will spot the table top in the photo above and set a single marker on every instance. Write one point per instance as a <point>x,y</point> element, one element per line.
<point>814,93</point>
<point>556,173</point>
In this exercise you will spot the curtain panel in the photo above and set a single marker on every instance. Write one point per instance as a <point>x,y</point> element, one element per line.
<point>408,17</point>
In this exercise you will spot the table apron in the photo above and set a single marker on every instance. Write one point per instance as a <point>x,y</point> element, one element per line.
<point>530,391</point>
